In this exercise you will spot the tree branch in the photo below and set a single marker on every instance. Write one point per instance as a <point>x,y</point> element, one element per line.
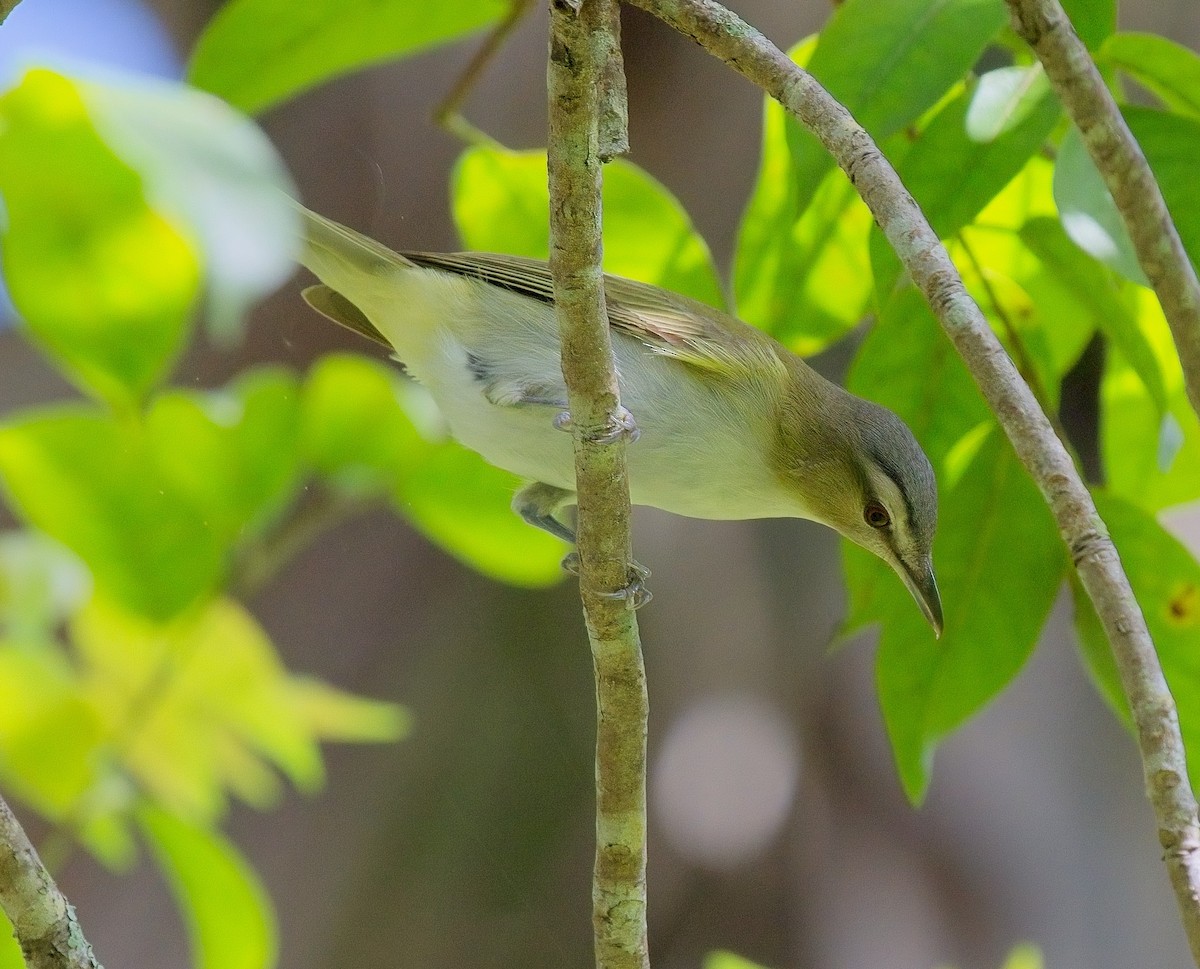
<point>1155,718</point>
<point>42,919</point>
<point>1047,29</point>
<point>575,81</point>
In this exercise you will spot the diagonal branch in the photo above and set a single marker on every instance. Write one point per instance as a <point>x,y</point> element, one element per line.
<point>1047,29</point>
<point>1156,720</point>
<point>581,54</point>
<point>42,919</point>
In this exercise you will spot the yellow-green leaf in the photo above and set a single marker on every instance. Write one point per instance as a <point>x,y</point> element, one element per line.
<point>229,916</point>
<point>501,204</point>
<point>103,282</point>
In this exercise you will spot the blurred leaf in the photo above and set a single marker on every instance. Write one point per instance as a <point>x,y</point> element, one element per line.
<point>501,204</point>
<point>255,53</point>
<point>214,170</point>
<point>1166,581</point>
<point>49,731</point>
<point>369,432</point>
<point>1000,564</point>
<point>1170,71</point>
<point>953,176</point>
<point>334,714</point>
<point>232,454</point>
<point>104,283</point>
<point>92,483</point>
<point>355,431</point>
<point>889,61</point>
<point>1005,97</point>
<point>194,703</point>
<point>1025,956</point>
<point>1088,212</point>
<point>41,583</point>
<point>1132,423</point>
<point>10,949</point>
<point>728,960</point>
<point>229,916</point>
<point>463,504</point>
<point>1093,20</point>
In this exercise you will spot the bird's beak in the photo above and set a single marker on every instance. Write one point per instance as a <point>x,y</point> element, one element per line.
<point>921,583</point>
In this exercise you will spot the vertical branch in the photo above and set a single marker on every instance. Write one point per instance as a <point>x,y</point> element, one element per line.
<point>614,104</point>
<point>1156,720</point>
<point>1047,29</point>
<point>575,80</point>
<point>42,919</point>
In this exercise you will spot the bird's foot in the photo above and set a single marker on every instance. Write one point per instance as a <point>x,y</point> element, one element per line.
<point>620,425</point>
<point>635,593</point>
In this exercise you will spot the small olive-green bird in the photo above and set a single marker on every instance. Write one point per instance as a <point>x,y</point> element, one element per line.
<point>732,424</point>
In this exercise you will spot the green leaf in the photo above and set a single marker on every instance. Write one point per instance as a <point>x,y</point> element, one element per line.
<point>953,176</point>
<point>463,504</point>
<point>368,432</point>
<point>1132,422</point>
<point>1091,289</point>
<point>103,282</point>
<point>209,697</point>
<point>10,949</point>
<point>1093,20</point>
<point>888,62</point>
<point>1003,98</point>
<point>256,53</point>
<point>1166,581</point>
<point>92,482</point>
<point>214,170</point>
<point>501,204</point>
<point>1000,564</point>
<point>355,431</point>
<point>232,454</point>
<point>801,274</point>
<point>229,917</point>
<point>1168,70</point>
<point>1025,956</point>
<point>1088,212</point>
<point>728,960</point>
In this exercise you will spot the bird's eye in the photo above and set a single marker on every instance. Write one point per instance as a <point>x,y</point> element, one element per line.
<point>876,516</point>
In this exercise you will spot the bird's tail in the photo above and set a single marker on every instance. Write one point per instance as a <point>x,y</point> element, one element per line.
<point>342,258</point>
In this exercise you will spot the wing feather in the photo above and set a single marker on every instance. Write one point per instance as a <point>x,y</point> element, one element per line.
<point>667,323</point>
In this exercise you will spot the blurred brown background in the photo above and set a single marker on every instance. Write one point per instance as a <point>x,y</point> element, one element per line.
<point>778,828</point>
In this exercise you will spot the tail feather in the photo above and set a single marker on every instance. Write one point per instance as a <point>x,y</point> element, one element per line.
<point>343,259</point>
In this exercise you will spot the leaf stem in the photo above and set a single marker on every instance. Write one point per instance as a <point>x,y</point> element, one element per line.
<point>1081,89</point>
<point>1155,717</point>
<point>581,44</point>
<point>448,115</point>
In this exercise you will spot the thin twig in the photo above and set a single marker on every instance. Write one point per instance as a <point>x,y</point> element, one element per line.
<point>1156,720</point>
<point>448,115</point>
<point>7,7</point>
<point>319,510</point>
<point>43,920</point>
<point>604,543</point>
<point>613,127</point>
<point>1047,29</point>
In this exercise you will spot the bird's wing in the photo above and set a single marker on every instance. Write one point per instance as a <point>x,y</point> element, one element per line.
<point>667,323</point>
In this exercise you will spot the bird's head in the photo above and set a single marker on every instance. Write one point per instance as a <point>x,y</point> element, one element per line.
<point>860,470</point>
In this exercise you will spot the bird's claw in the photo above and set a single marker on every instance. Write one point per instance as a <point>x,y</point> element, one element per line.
<point>621,424</point>
<point>635,593</point>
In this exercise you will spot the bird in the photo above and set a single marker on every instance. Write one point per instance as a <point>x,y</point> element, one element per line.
<point>730,424</point>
